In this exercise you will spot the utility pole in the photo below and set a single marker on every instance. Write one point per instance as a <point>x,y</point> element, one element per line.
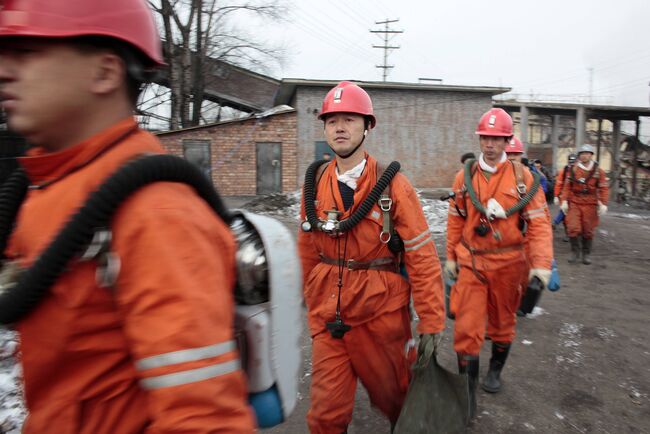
<point>388,34</point>
<point>591,85</point>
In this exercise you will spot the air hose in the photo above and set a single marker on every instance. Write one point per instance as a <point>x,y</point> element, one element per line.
<point>510,211</point>
<point>309,192</point>
<point>12,194</point>
<point>97,212</point>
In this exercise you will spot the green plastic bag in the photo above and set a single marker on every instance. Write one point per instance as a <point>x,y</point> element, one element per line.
<point>437,402</point>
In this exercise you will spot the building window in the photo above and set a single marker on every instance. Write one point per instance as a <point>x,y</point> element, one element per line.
<point>197,152</point>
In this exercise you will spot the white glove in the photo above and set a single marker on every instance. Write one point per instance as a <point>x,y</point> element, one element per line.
<point>428,346</point>
<point>495,210</point>
<point>542,274</point>
<point>602,208</point>
<point>565,206</point>
<point>556,200</point>
<point>451,269</point>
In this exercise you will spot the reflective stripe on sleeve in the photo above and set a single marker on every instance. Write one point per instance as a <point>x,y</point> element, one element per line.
<point>184,356</point>
<point>191,376</point>
<point>534,213</point>
<point>409,245</point>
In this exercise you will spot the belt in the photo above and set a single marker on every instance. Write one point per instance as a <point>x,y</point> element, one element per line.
<point>479,252</point>
<point>379,264</point>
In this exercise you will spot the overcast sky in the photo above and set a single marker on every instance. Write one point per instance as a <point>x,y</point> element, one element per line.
<point>544,47</point>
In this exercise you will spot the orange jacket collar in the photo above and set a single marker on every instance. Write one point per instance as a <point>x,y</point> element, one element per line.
<point>43,166</point>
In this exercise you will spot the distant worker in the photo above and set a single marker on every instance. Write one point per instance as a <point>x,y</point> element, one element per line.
<point>485,249</point>
<point>584,199</point>
<point>357,300</point>
<point>559,184</point>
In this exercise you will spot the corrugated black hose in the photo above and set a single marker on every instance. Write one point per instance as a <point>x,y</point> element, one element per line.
<point>12,194</point>
<point>96,213</point>
<point>309,192</point>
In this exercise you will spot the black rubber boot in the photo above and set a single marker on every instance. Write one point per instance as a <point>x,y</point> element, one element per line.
<point>586,251</point>
<point>492,382</point>
<point>575,250</point>
<point>469,365</point>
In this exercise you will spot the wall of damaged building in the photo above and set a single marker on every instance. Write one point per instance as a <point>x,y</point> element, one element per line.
<point>426,130</point>
<point>232,150</point>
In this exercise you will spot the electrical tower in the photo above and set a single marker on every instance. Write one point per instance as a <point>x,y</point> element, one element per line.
<point>387,36</point>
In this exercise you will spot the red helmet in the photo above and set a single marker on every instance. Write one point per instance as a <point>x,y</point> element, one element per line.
<point>128,20</point>
<point>347,97</point>
<point>514,146</point>
<point>495,122</point>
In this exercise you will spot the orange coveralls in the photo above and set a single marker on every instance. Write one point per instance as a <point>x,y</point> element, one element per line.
<point>489,280</point>
<point>153,354</point>
<point>582,218</point>
<point>375,303</point>
<point>559,182</point>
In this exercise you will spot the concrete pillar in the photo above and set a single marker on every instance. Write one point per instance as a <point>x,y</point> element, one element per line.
<point>555,137</point>
<point>523,126</point>
<point>600,133</point>
<point>580,127</point>
<point>616,169</point>
<point>636,150</point>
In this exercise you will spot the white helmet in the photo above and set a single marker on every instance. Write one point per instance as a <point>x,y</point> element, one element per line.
<point>586,148</point>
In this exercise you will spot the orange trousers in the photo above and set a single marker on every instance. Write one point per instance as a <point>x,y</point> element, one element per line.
<point>496,300</point>
<point>376,353</point>
<point>582,220</point>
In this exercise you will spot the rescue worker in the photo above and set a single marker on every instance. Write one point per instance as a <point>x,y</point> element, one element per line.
<point>357,301</point>
<point>559,183</point>
<point>584,199</point>
<point>156,351</point>
<point>485,250</point>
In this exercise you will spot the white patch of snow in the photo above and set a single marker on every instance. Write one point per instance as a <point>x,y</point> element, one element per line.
<point>527,342</point>
<point>559,416</point>
<point>537,311</point>
<point>570,341</point>
<point>529,426</point>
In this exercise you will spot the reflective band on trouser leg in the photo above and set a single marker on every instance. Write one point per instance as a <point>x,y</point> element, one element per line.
<point>417,242</point>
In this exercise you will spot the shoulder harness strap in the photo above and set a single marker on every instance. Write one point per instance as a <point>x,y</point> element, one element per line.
<point>385,205</point>
<point>519,178</point>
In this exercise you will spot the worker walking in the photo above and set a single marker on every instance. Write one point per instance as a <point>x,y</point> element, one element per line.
<point>584,199</point>
<point>494,201</point>
<point>351,247</point>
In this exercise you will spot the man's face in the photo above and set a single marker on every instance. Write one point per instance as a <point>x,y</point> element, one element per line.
<point>42,85</point>
<point>538,165</point>
<point>584,157</point>
<point>344,131</point>
<point>515,156</point>
<point>492,148</point>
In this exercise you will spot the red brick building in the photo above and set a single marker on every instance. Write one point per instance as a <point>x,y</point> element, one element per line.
<point>255,155</point>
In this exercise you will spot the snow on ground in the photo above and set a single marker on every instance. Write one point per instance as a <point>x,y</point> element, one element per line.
<point>288,205</point>
<point>12,411</point>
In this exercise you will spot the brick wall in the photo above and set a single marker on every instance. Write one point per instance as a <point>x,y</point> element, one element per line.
<point>425,130</point>
<point>232,150</point>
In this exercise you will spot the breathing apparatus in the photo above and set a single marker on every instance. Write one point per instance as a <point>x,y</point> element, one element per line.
<point>484,226</point>
<point>267,293</point>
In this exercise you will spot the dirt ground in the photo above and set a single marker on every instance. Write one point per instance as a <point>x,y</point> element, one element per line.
<point>581,365</point>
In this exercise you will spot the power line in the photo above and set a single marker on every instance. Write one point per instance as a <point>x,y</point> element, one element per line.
<point>388,34</point>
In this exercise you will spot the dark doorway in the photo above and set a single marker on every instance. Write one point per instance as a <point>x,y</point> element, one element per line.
<point>269,167</point>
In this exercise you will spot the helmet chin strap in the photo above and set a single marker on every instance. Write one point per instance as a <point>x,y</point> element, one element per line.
<point>365,132</point>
